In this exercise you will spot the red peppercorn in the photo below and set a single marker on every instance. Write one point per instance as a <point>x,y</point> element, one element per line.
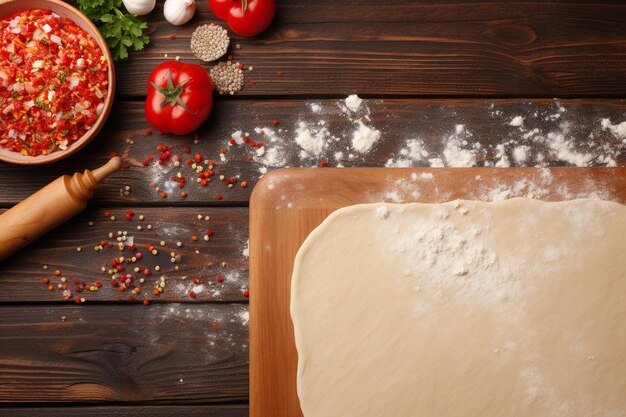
<point>113,154</point>
<point>77,300</point>
<point>148,131</point>
<point>219,196</point>
<point>187,149</point>
<point>46,280</point>
<point>220,278</point>
<point>209,232</point>
<point>323,162</point>
<point>146,302</point>
<point>275,122</point>
<point>163,194</point>
<point>131,298</point>
<point>106,213</point>
<point>246,293</point>
<point>279,73</point>
<point>114,283</point>
<point>232,141</point>
<point>126,165</point>
<point>223,150</point>
<point>246,139</point>
<point>192,294</point>
<point>196,281</point>
<point>198,158</point>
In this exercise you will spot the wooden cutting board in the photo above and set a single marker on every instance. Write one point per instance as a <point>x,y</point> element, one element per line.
<point>286,205</point>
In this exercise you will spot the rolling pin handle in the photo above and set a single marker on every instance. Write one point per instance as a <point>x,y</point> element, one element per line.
<point>107,169</point>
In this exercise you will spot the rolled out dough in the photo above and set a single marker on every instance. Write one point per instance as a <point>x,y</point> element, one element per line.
<point>463,309</point>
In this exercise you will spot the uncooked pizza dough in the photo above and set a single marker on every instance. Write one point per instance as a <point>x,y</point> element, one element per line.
<point>512,308</point>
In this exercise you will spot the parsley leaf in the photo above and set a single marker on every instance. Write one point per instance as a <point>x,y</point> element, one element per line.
<point>121,31</point>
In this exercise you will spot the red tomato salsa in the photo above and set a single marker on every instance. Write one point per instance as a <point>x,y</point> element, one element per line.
<point>53,82</point>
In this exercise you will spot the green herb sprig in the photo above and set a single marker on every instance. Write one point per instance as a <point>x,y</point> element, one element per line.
<point>121,31</point>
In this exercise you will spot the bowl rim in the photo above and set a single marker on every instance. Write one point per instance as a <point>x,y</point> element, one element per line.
<point>17,158</point>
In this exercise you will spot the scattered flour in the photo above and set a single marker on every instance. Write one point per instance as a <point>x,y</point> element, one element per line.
<point>456,156</point>
<point>244,317</point>
<point>312,140</point>
<point>246,250</point>
<point>436,163</point>
<point>520,154</point>
<point>564,150</point>
<point>382,212</point>
<point>364,138</point>
<point>413,153</point>
<point>619,130</point>
<point>503,159</point>
<point>353,103</point>
<point>517,121</point>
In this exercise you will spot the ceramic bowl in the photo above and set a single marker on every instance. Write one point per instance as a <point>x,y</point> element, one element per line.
<point>8,7</point>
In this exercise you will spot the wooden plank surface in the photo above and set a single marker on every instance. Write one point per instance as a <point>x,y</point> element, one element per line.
<point>137,411</point>
<point>398,119</point>
<point>21,275</point>
<point>278,228</point>
<point>128,359</point>
<point>157,354</point>
<point>493,48</point>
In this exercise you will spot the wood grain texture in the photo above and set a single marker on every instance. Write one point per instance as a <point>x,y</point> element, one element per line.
<point>157,354</point>
<point>278,228</point>
<point>21,275</point>
<point>493,48</point>
<point>137,411</point>
<point>398,119</point>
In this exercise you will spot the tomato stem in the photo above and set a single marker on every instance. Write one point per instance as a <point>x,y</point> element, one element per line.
<point>172,93</point>
<point>244,7</point>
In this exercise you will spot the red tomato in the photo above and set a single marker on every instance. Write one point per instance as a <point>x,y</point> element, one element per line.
<point>245,17</point>
<point>180,97</point>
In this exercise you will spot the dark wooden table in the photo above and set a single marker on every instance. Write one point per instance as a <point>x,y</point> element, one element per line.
<point>423,67</point>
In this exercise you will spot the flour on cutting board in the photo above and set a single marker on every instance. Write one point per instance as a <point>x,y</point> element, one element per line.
<point>411,187</point>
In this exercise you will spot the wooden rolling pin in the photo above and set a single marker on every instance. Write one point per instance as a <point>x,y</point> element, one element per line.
<point>57,202</point>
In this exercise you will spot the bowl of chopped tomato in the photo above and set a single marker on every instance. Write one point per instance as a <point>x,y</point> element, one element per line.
<point>57,81</point>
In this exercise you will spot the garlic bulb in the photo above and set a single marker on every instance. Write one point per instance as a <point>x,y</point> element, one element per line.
<point>139,7</point>
<point>179,12</point>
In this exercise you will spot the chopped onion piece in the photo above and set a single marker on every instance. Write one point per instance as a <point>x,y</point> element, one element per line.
<point>74,82</point>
